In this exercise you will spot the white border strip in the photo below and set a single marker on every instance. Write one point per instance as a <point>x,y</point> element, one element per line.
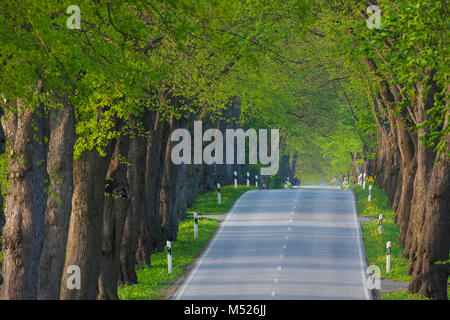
<point>211,243</point>
<point>362,255</point>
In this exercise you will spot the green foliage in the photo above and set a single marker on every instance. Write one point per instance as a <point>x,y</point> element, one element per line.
<point>276,182</point>
<point>4,171</point>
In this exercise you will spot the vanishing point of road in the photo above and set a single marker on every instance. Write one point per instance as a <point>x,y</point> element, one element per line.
<point>283,244</point>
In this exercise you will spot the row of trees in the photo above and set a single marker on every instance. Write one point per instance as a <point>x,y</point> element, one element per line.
<point>87,120</point>
<point>87,116</point>
<point>404,69</point>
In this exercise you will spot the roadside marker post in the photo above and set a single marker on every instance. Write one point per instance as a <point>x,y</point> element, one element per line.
<point>248,179</point>
<point>370,193</point>
<point>359,179</point>
<point>388,257</point>
<point>219,198</point>
<point>235,179</point>
<point>364,180</point>
<point>195,225</point>
<point>380,223</point>
<point>169,256</point>
<point>256,181</point>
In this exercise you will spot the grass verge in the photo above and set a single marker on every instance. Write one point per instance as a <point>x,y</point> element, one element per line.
<point>375,243</point>
<point>206,203</point>
<point>154,280</point>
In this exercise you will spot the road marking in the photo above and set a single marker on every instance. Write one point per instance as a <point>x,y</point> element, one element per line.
<point>284,246</point>
<point>273,294</point>
<point>289,229</point>
<point>290,220</point>
<point>282,256</point>
<point>361,259</point>
<point>211,243</point>
<point>287,237</point>
<point>279,268</point>
<point>275,281</point>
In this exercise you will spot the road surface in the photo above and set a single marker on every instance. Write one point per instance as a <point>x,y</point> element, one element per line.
<point>283,244</point>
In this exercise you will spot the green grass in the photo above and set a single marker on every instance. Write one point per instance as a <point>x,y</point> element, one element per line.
<point>403,295</point>
<point>153,281</point>
<point>206,203</point>
<point>376,243</point>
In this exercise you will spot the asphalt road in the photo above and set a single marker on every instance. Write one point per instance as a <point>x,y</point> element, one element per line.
<point>283,244</point>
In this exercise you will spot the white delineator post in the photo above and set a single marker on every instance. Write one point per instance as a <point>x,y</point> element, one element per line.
<point>235,179</point>
<point>169,256</point>
<point>370,193</point>
<point>359,179</point>
<point>219,199</point>
<point>256,181</point>
<point>248,179</point>
<point>364,180</point>
<point>388,257</point>
<point>195,225</point>
<point>380,223</point>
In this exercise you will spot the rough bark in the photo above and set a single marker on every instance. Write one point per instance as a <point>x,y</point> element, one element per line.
<point>2,214</point>
<point>169,219</point>
<point>386,168</point>
<point>117,201</point>
<point>433,245</point>
<point>84,243</point>
<point>59,202</point>
<point>23,233</point>
<point>408,172</point>
<point>427,239</point>
<point>150,236</point>
<point>136,182</point>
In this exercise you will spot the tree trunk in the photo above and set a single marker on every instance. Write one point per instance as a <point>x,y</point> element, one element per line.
<point>84,244</point>
<point>429,278</point>
<point>23,233</point>
<point>427,240</point>
<point>169,218</point>
<point>408,172</point>
<point>136,182</point>
<point>2,214</point>
<point>150,237</point>
<point>59,202</point>
<point>117,201</point>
